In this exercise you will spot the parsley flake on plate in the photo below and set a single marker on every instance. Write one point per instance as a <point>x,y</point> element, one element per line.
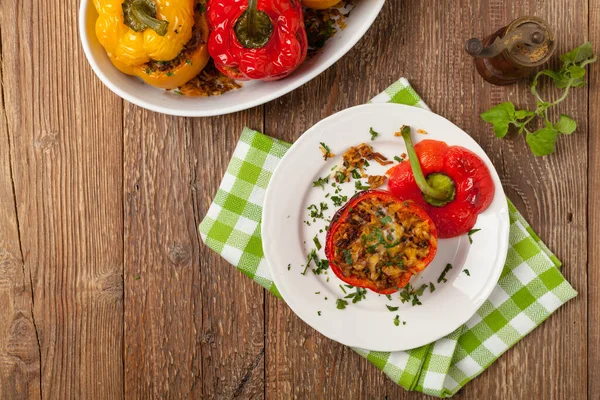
<point>442,277</point>
<point>392,309</point>
<point>397,320</point>
<point>321,182</point>
<point>341,304</point>
<point>471,232</point>
<point>373,133</point>
<point>326,151</point>
<point>359,186</point>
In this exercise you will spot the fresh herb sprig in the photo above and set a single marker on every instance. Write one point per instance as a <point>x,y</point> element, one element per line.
<point>543,141</point>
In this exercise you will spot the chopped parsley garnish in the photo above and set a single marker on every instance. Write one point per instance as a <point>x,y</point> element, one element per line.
<point>289,266</point>
<point>321,182</point>
<point>355,174</point>
<point>340,176</point>
<point>348,256</point>
<point>327,154</point>
<point>359,186</point>
<point>466,271</point>
<point>188,62</point>
<point>472,231</point>
<point>317,243</point>
<point>386,220</point>
<point>373,134</point>
<point>311,256</point>
<point>411,294</point>
<point>169,73</point>
<point>388,297</point>
<point>317,292</point>
<point>322,265</point>
<point>341,304</point>
<point>317,212</point>
<point>147,70</point>
<point>343,290</point>
<point>339,200</point>
<point>397,320</point>
<point>398,159</point>
<point>431,287</point>
<point>392,308</point>
<point>442,277</point>
<point>357,296</point>
<point>319,313</point>
<point>403,322</point>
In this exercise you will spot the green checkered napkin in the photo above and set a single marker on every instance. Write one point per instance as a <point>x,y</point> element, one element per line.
<point>530,288</point>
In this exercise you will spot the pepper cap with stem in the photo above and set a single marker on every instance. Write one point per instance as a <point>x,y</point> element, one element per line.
<point>438,189</point>
<point>140,15</point>
<point>254,27</point>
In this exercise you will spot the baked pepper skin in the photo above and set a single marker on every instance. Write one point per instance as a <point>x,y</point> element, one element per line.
<point>268,47</point>
<point>343,213</point>
<point>472,182</point>
<point>134,48</point>
<point>187,64</point>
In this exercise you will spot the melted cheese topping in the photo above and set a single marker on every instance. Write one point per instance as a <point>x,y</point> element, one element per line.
<point>379,241</point>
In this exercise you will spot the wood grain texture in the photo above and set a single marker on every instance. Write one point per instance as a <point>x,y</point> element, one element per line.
<point>67,169</point>
<point>106,290</point>
<point>193,324</point>
<point>19,347</point>
<point>593,266</point>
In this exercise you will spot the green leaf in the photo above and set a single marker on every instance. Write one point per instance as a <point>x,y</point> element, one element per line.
<point>500,116</point>
<point>578,54</point>
<point>542,142</point>
<point>565,125</point>
<point>522,114</point>
<point>576,71</point>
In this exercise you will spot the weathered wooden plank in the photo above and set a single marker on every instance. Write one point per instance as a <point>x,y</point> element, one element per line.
<point>189,316</point>
<point>426,47</point>
<point>232,336</point>
<point>19,348</point>
<point>66,158</point>
<point>593,225</point>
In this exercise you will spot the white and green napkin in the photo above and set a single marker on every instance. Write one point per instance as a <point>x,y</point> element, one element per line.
<point>530,288</point>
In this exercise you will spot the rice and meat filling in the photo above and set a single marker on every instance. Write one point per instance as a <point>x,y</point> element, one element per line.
<point>379,242</point>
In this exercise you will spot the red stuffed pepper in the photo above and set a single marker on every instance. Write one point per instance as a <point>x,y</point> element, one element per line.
<point>257,39</point>
<point>451,183</point>
<point>379,242</point>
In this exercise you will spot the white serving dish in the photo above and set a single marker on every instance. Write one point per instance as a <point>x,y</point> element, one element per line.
<point>250,95</point>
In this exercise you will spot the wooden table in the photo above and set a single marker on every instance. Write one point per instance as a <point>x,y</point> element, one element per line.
<point>106,290</point>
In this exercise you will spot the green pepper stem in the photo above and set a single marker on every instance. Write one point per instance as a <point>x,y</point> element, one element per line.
<point>254,27</point>
<point>140,11</point>
<point>426,188</point>
<point>252,4</point>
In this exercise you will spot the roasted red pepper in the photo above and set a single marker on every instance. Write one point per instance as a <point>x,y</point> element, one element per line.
<point>257,39</point>
<point>379,242</point>
<point>451,183</point>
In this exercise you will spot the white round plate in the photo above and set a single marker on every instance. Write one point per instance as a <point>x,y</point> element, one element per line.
<point>251,94</point>
<point>368,324</point>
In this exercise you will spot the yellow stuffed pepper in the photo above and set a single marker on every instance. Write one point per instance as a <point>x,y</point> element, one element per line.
<point>319,4</point>
<point>161,41</point>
